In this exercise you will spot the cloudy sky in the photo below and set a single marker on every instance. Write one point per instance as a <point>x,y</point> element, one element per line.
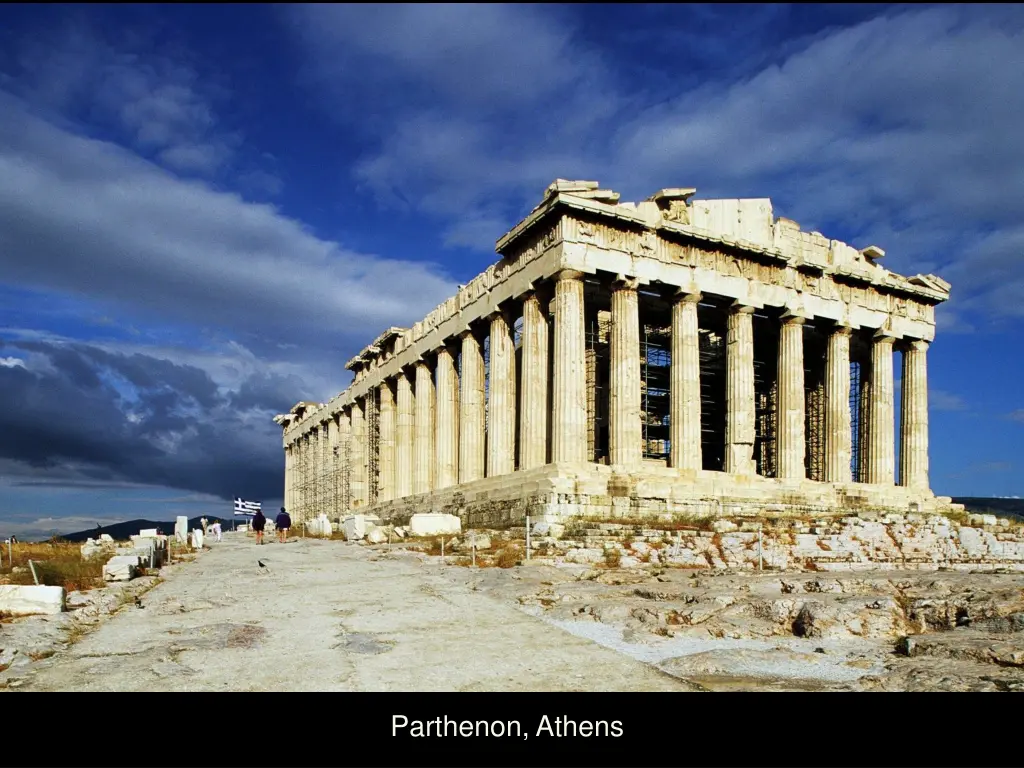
<point>205,210</point>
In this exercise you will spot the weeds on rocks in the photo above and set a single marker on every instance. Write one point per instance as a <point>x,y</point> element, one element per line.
<point>57,563</point>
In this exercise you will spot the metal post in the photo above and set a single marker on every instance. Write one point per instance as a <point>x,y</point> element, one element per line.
<point>35,578</point>
<point>442,550</point>
<point>527,537</point>
<point>759,561</point>
<point>474,553</point>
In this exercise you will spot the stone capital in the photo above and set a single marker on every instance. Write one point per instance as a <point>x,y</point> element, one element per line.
<point>793,319</point>
<point>625,283</point>
<point>687,294</point>
<point>567,274</point>
<point>917,344</point>
<point>741,308</point>
<point>883,336</point>
<point>841,329</point>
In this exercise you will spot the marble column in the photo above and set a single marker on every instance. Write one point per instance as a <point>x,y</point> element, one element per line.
<point>684,389</point>
<point>501,398</point>
<point>302,489</point>
<point>358,455</point>
<point>535,413</point>
<point>406,435</point>
<point>881,417</point>
<point>446,470</point>
<point>739,394</point>
<point>838,429</point>
<point>334,508</point>
<point>316,458</point>
<point>388,428</point>
<point>423,444</point>
<point>569,406</point>
<point>344,461</point>
<point>288,477</point>
<point>625,435</point>
<point>914,417</point>
<point>471,416</point>
<point>791,417</point>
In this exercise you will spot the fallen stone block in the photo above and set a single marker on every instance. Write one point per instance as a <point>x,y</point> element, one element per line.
<point>355,527</point>
<point>542,528</point>
<point>121,568</point>
<point>376,535</point>
<point>478,541</point>
<point>20,600</point>
<point>106,537</point>
<point>434,524</point>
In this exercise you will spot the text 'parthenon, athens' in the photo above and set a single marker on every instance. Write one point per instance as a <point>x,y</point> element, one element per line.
<point>637,359</point>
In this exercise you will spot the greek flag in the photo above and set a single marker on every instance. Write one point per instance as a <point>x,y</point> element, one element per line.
<point>243,507</point>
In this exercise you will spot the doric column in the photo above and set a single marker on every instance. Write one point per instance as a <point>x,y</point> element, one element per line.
<point>406,435</point>
<point>838,430</point>
<point>535,413</point>
<point>914,417</point>
<point>358,455</point>
<point>684,389</point>
<point>316,457</point>
<point>501,398</point>
<point>739,391</point>
<point>334,508</point>
<point>446,470</point>
<point>881,419</point>
<point>471,402</point>
<point>344,461</point>
<point>388,429</point>
<point>624,434</point>
<point>789,431</point>
<point>301,495</point>
<point>287,477</point>
<point>423,444</point>
<point>569,398</point>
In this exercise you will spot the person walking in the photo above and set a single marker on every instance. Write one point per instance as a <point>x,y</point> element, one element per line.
<point>216,529</point>
<point>205,523</point>
<point>283,523</point>
<point>259,522</point>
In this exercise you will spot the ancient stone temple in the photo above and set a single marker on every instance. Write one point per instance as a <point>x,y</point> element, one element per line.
<point>629,359</point>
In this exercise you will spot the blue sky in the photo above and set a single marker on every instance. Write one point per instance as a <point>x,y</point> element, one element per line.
<point>205,210</point>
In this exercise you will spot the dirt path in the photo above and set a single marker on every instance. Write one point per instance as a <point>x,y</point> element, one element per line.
<point>330,616</point>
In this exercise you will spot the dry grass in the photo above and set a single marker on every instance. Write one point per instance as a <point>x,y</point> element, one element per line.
<point>508,556</point>
<point>612,557</point>
<point>57,563</point>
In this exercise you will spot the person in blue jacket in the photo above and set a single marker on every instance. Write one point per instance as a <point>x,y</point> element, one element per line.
<point>282,524</point>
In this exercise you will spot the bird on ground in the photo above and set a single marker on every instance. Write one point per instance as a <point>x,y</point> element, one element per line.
<point>138,603</point>
<point>263,565</point>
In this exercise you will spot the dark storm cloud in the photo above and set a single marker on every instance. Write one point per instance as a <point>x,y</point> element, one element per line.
<point>91,415</point>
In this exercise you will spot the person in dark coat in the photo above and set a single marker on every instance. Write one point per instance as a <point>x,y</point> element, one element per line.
<point>259,522</point>
<point>283,523</point>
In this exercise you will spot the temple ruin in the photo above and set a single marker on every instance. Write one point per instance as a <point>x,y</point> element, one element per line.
<point>674,356</point>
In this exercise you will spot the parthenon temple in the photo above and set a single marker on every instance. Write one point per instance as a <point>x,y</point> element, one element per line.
<point>673,356</point>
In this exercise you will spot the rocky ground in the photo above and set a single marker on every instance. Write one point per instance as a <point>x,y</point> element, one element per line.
<point>878,630</point>
<point>335,615</point>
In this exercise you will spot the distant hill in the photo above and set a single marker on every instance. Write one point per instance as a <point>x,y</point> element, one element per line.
<point>122,531</point>
<point>1002,507</point>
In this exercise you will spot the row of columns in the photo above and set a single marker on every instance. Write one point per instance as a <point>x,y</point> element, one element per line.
<point>434,436</point>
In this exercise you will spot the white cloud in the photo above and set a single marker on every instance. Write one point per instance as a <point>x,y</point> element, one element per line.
<point>11,362</point>
<point>939,400</point>
<point>898,131</point>
<point>88,218</point>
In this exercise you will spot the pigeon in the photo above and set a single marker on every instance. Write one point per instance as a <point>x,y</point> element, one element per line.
<point>138,603</point>
<point>263,565</point>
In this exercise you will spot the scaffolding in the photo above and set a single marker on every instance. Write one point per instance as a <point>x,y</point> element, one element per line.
<point>860,397</point>
<point>655,379</point>
<point>343,471</point>
<point>766,393</point>
<point>597,356</point>
<point>712,386</point>
<point>372,446</point>
<point>815,350</point>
